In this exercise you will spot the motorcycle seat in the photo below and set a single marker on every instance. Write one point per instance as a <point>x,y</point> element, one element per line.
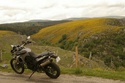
<point>44,54</point>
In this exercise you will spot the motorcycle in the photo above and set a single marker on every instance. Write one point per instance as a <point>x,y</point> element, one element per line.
<point>24,58</point>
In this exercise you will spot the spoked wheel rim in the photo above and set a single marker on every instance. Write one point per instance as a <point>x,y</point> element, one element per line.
<point>16,66</point>
<point>52,70</point>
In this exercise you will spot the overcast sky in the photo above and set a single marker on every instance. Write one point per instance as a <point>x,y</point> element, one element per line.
<point>24,10</point>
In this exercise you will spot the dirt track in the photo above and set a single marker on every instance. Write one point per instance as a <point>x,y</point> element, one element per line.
<point>42,78</point>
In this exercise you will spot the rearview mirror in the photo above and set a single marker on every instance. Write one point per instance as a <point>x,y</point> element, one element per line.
<point>28,37</point>
<point>12,46</point>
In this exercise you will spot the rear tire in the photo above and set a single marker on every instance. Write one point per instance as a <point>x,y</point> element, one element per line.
<point>17,67</point>
<point>52,70</point>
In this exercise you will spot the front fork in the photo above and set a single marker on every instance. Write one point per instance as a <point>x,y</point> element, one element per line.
<point>18,60</point>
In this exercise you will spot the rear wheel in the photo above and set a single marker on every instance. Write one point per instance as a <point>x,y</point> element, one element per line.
<point>16,66</point>
<point>52,70</point>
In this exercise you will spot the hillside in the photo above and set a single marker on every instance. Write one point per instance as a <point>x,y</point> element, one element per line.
<point>3,32</point>
<point>67,63</point>
<point>80,28</point>
<point>102,37</point>
<point>67,60</point>
<point>29,27</point>
<point>8,38</point>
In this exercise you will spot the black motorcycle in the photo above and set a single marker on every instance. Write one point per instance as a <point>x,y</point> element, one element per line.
<point>24,58</point>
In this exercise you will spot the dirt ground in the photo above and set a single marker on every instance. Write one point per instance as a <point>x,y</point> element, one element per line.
<point>42,78</point>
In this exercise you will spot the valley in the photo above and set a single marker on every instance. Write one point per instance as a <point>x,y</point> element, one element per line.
<point>100,43</point>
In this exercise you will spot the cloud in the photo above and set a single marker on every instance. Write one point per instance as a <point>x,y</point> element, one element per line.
<point>24,10</point>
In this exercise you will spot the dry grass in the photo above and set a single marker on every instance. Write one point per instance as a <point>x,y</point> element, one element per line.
<point>3,32</point>
<point>82,28</point>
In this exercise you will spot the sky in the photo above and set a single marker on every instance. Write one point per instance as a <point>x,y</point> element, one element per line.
<point>24,10</point>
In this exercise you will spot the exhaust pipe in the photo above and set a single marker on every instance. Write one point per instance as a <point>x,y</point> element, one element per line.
<point>46,62</point>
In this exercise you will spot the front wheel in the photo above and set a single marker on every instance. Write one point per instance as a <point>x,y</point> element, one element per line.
<point>52,70</point>
<point>17,66</point>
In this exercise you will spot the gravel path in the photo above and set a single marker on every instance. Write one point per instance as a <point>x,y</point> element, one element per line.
<point>42,78</point>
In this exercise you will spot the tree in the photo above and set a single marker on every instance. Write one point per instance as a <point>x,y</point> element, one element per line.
<point>64,37</point>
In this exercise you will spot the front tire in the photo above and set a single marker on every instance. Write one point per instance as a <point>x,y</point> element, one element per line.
<point>52,70</point>
<point>17,67</point>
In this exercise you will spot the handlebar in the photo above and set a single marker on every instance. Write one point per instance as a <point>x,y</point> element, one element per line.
<point>21,46</point>
<point>25,43</point>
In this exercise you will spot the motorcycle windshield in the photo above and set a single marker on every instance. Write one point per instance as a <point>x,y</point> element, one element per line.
<point>27,49</point>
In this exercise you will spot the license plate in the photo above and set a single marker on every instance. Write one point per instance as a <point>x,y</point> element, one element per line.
<point>58,59</point>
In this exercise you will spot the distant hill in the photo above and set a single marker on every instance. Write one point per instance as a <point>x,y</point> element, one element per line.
<point>77,18</point>
<point>39,20</point>
<point>79,28</point>
<point>103,38</point>
<point>117,17</point>
<point>3,32</point>
<point>29,27</point>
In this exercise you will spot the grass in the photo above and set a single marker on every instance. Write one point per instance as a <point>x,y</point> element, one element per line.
<point>108,74</point>
<point>116,75</point>
<point>81,71</point>
<point>3,32</point>
<point>66,61</point>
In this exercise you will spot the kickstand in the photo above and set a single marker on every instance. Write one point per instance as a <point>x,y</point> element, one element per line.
<point>31,74</point>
